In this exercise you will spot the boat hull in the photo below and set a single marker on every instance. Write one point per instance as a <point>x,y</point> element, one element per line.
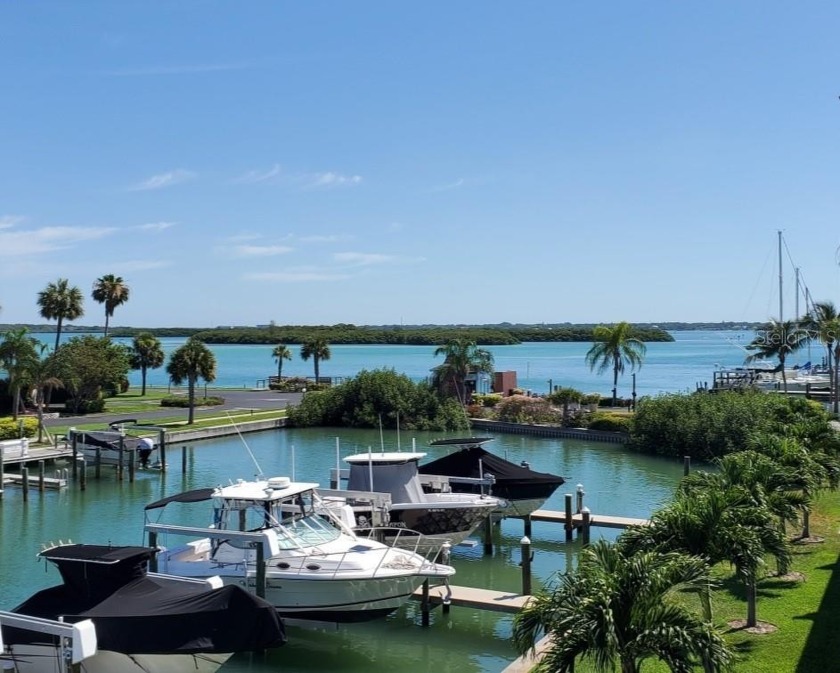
<point>47,659</point>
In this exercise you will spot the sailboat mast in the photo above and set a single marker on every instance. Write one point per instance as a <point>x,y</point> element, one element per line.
<point>781,299</point>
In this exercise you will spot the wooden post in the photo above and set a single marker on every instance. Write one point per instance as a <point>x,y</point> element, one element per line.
<point>525,545</point>
<point>488,536</point>
<point>587,523</point>
<point>686,465</point>
<point>260,570</point>
<point>98,463</point>
<point>132,465</point>
<point>153,564</point>
<point>183,460</point>
<point>570,523</point>
<point>162,449</point>
<point>580,494</point>
<point>528,524</point>
<point>121,459</point>
<point>24,473</point>
<point>425,604</point>
<point>41,481</point>
<point>74,444</point>
<point>83,475</point>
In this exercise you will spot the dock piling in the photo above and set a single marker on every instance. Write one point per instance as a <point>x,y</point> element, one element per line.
<point>183,460</point>
<point>41,474</point>
<point>75,455</point>
<point>587,524</point>
<point>24,473</point>
<point>162,449</point>
<point>569,525</point>
<point>525,545</point>
<point>132,465</point>
<point>82,473</point>
<point>425,604</point>
<point>686,465</point>
<point>488,536</point>
<point>527,519</point>
<point>580,494</point>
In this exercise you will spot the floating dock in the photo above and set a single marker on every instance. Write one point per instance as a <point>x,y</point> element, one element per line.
<point>471,597</point>
<point>601,520</point>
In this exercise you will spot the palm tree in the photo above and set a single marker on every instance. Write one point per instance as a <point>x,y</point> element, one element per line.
<point>318,349</point>
<point>281,352</point>
<point>58,301</point>
<point>41,379</point>
<point>778,340</point>
<point>191,362</point>
<point>18,354</point>
<point>112,291</point>
<point>461,357</point>
<point>622,609</point>
<point>146,353</point>
<point>615,347</point>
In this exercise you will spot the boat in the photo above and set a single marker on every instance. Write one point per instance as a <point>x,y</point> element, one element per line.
<point>439,518</point>
<point>129,620</point>
<point>112,447</point>
<point>469,467</point>
<point>279,538</point>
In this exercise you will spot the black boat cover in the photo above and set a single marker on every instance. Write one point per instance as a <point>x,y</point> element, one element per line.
<point>135,613</point>
<point>464,463</point>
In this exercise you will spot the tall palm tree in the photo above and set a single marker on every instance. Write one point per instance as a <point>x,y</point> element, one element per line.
<point>622,609</point>
<point>18,354</point>
<point>41,378</point>
<point>616,347</point>
<point>461,357</point>
<point>59,301</point>
<point>318,349</point>
<point>281,352</point>
<point>777,341</point>
<point>191,362</point>
<point>146,353</point>
<point>112,291</point>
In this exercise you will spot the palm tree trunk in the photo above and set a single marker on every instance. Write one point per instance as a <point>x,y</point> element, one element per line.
<point>191,396</point>
<point>16,403</point>
<point>57,333</point>
<point>317,367</point>
<point>615,385</point>
<point>143,373</point>
<point>752,619</point>
<point>806,523</point>
<point>106,324</point>
<point>836,380</point>
<point>628,665</point>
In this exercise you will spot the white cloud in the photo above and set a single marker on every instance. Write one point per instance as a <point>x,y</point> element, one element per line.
<point>330,179</point>
<point>363,258</point>
<point>162,180</point>
<point>448,187</point>
<point>296,276</point>
<point>141,264</point>
<point>155,226</point>
<point>261,250</point>
<point>48,239</point>
<point>9,221</point>
<point>255,176</point>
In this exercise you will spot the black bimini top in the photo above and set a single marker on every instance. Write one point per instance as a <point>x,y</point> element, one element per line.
<point>197,495</point>
<point>135,613</point>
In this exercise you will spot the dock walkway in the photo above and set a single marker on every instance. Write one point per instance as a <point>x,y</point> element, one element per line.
<point>602,520</point>
<point>471,597</point>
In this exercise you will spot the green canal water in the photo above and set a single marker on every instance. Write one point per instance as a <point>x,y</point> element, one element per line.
<point>615,482</point>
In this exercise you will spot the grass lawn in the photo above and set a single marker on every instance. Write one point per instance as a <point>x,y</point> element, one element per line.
<point>805,612</point>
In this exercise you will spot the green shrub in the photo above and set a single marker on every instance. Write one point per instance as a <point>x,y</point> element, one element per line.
<point>608,422</point>
<point>488,400</point>
<point>706,426</point>
<point>297,384</point>
<point>11,428</point>
<point>183,402</point>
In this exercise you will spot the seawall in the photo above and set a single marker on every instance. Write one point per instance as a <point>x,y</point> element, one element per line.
<point>550,431</point>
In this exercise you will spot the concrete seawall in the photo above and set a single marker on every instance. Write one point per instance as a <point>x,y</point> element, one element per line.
<point>223,430</point>
<point>550,431</point>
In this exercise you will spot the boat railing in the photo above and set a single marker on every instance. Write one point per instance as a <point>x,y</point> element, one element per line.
<point>80,637</point>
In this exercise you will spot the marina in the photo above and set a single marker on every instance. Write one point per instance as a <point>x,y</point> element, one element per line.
<point>468,638</point>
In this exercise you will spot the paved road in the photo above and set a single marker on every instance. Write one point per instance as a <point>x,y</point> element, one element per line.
<point>234,400</point>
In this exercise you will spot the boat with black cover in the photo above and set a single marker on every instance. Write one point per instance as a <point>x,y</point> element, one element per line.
<point>525,490</point>
<point>143,622</point>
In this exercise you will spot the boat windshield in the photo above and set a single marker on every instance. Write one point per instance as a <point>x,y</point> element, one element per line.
<point>293,519</point>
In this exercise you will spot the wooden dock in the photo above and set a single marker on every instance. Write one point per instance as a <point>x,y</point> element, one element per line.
<point>34,481</point>
<point>602,520</point>
<point>471,597</point>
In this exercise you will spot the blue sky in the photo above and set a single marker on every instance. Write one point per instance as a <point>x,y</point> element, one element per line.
<point>435,162</point>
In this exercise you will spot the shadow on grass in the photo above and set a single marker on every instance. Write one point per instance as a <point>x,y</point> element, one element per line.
<point>822,649</point>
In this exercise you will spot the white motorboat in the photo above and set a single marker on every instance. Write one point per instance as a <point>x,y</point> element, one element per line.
<point>438,517</point>
<point>111,616</point>
<point>278,538</point>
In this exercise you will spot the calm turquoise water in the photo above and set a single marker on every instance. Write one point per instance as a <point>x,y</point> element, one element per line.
<point>676,366</point>
<point>467,640</point>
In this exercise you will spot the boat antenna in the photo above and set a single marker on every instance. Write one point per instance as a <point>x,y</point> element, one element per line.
<point>293,463</point>
<point>399,448</point>
<point>337,463</point>
<point>247,448</point>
